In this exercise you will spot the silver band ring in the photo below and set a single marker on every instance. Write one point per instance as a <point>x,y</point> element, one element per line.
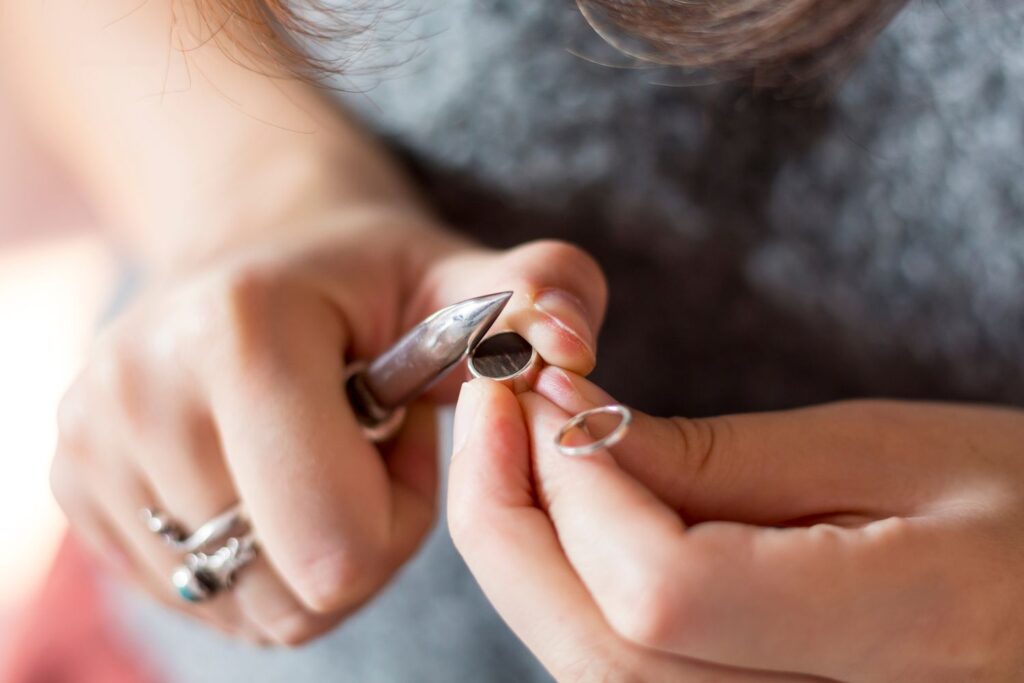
<point>230,521</point>
<point>612,438</point>
<point>220,526</point>
<point>378,424</point>
<point>161,524</point>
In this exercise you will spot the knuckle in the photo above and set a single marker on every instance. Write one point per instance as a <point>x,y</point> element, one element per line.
<point>63,484</point>
<point>700,442</point>
<point>329,584</point>
<point>72,419</point>
<point>244,320</point>
<point>293,628</point>
<point>567,257</point>
<point>246,290</point>
<point>117,373</point>
<point>558,251</point>
<point>643,610</point>
<point>74,455</point>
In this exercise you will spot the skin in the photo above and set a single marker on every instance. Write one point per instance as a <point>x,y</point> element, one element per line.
<point>855,542</point>
<point>277,240</point>
<point>860,542</point>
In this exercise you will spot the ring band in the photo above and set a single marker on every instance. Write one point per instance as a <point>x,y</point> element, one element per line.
<point>230,521</point>
<point>204,575</point>
<point>161,524</point>
<point>613,437</point>
<point>508,359</point>
<point>207,570</point>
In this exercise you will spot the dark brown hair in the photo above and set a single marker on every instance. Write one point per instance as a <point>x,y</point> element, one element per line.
<point>770,41</point>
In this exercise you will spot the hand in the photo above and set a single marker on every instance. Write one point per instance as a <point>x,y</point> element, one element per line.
<point>224,384</point>
<point>860,542</point>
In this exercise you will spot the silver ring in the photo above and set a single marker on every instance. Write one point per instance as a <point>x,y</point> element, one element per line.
<point>508,359</point>
<point>161,524</point>
<point>614,437</point>
<point>231,521</point>
<point>378,424</point>
<point>204,575</point>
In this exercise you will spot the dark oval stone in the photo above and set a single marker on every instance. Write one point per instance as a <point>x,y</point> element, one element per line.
<point>502,355</point>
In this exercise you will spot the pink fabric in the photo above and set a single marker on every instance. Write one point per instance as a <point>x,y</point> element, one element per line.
<point>67,636</point>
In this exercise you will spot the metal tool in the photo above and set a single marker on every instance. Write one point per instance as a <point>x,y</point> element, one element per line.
<point>378,391</point>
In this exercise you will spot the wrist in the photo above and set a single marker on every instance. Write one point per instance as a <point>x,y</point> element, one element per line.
<point>271,195</point>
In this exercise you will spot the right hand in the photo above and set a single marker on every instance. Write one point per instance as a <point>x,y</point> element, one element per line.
<point>861,541</point>
<point>223,384</point>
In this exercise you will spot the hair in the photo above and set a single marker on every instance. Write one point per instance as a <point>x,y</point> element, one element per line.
<point>279,38</point>
<point>770,42</point>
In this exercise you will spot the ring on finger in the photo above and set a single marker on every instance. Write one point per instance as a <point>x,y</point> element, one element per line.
<point>231,521</point>
<point>579,422</point>
<point>204,575</point>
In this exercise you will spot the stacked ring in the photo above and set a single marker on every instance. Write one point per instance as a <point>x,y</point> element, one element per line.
<point>204,575</point>
<point>215,551</point>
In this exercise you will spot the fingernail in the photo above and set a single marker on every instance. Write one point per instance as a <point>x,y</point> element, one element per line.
<point>568,313</point>
<point>555,385</point>
<point>570,392</point>
<point>465,413</point>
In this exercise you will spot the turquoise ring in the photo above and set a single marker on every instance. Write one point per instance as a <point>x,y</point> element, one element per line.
<point>192,586</point>
<point>203,575</point>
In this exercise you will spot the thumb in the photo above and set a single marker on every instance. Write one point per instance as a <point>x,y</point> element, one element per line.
<point>558,301</point>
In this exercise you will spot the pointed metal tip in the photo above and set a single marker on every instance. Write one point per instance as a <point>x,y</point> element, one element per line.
<point>501,298</point>
<point>426,352</point>
<point>486,310</point>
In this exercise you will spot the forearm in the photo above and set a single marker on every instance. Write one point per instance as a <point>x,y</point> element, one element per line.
<point>181,148</point>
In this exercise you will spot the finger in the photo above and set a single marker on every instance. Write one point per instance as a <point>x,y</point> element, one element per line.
<point>616,534</point>
<point>92,477</point>
<point>120,494</point>
<point>512,550</point>
<point>491,512</point>
<point>558,302</point>
<point>87,525</point>
<point>185,468</point>
<point>779,599</point>
<point>850,460</point>
<point>411,462</point>
<point>317,492</point>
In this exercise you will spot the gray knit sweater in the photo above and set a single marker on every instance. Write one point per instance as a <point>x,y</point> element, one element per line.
<point>761,252</point>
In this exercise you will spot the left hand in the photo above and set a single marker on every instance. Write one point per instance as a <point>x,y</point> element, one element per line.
<point>861,541</point>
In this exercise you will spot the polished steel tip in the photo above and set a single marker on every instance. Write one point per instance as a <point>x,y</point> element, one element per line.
<point>421,357</point>
<point>478,315</point>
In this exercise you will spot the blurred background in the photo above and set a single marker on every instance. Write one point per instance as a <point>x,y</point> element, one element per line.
<point>55,278</point>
